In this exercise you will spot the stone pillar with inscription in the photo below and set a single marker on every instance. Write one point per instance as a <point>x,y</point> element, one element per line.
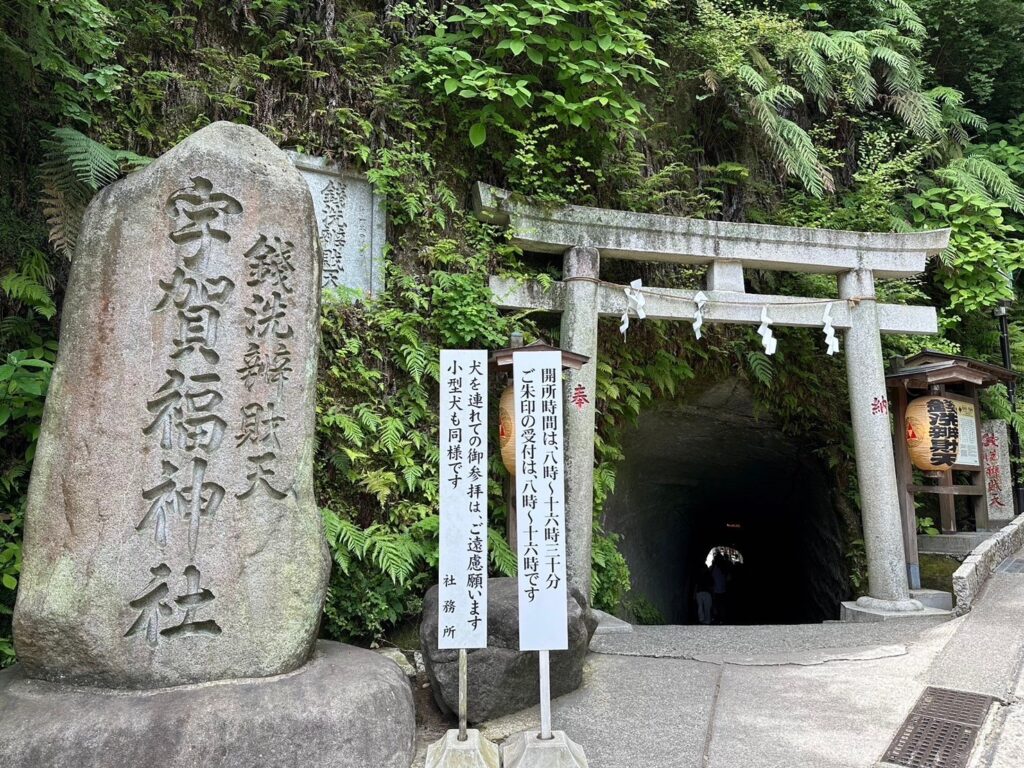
<point>995,450</point>
<point>171,533</point>
<point>172,536</point>
<point>351,222</point>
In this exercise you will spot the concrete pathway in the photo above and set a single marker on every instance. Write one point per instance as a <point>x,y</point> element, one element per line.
<point>828,696</point>
<point>999,617</point>
<point>834,705</point>
<point>986,652</point>
<point>1002,745</point>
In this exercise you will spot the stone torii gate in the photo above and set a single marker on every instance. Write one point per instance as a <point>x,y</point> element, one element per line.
<point>585,235</point>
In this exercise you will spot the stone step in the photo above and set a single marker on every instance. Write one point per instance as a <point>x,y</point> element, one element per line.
<point>610,625</point>
<point>933,598</point>
<point>955,544</point>
<point>851,612</point>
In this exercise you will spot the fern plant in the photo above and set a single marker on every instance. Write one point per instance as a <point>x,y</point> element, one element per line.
<point>760,367</point>
<point>28,349</point>
<point>768,55</point>
<point>74,169</point>
<point>983,180</point>
<point>29,286</point>
<point>395,554</point>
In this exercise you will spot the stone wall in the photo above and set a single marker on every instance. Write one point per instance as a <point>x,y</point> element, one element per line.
<point>970,577</point>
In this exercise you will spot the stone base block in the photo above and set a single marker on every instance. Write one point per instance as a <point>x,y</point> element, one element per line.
<point>610,625</point>
<point>345,708</point>
<point>933,598</point>
<point>528,750</point>
<point>954,544</point>
<point>474,752</point>
<point>855,611</point>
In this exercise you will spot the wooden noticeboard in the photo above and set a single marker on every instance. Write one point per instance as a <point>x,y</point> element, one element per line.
<point>959,379</point>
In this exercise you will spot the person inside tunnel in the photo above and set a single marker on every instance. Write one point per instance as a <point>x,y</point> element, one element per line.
<point>695,481</point>
<point>722,565</point>
<point>702,596</point>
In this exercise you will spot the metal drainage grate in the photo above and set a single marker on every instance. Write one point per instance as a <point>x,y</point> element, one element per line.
<point>940,731</point>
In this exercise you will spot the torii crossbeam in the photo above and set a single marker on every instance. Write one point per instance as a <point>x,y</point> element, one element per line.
<point>584,235</point>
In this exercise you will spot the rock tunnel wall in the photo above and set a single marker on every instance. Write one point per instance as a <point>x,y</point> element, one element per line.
<point>708,472</point>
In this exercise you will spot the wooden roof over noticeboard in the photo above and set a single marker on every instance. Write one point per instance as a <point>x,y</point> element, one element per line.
<point>931,367</point>
<point>502,358</point>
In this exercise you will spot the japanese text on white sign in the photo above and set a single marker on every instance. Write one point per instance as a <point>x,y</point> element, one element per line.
<point>969,455</point>
<point>540,500</point>
<point>462,565</point>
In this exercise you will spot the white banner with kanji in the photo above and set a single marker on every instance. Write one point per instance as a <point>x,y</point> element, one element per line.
<point>462,563</point>
<point>540,501</point>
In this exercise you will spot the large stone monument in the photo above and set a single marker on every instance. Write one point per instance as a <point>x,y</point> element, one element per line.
<point>171,537</point>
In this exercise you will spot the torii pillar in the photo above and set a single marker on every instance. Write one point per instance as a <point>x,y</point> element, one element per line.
<point>579,335</point>
<point>872,442</point>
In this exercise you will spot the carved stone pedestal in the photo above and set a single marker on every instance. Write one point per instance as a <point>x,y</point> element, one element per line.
<point>345,708</point>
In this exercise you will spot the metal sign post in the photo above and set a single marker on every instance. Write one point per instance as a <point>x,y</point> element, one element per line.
<point>544,662</point>
<point>463,692</point>
<point>540,524</point>
<point>462,561</point>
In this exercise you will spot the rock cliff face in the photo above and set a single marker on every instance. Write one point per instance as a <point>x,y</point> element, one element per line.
<point>705,471</point>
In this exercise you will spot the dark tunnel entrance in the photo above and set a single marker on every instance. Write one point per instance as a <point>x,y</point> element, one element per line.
<point>710,474</point>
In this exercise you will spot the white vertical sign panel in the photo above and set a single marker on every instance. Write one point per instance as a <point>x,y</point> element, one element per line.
<point>968,451</point>
<point>462,566</point>
<point>540,501</point>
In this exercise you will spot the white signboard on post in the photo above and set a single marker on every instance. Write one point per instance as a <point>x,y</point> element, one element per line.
<point>969,452</point>
<point>462,565</point>
<point>540,501</point>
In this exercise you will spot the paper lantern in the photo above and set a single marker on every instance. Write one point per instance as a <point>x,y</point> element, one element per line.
<point>507,429</point>
<point>933,433</point>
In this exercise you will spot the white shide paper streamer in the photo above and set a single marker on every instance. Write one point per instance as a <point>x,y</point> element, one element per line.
<point>765,331</point>
<point>701,300</point>
<point>831,341</point>
<point>634,300</point>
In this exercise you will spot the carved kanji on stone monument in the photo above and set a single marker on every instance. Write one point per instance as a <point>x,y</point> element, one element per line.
<point>171,533</point>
